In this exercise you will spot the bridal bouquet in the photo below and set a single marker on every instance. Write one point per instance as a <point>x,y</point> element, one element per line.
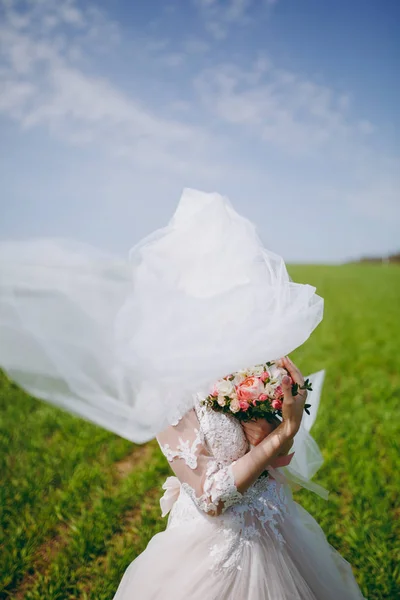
<point>253,393</point>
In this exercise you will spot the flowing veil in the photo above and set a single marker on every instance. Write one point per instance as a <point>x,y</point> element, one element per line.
<point>127,343</point>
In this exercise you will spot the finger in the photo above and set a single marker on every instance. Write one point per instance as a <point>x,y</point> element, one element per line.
<point>291,370</point>
<point>295,373</point>
<point>287,390</point>
<point>261,426</point>
<point>303,395</point>
<point>253,438</point>
<point>257,422</point>
<point>293,367</point>
<point>250,433</point>
<point>299,373</point>
<point>251,425</point>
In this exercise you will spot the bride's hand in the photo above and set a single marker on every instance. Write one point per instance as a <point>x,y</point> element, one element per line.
<point>258,429</point>
<point>293,406</point>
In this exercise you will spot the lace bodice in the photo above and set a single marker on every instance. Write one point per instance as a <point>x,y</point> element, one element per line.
<point>202,448</point>
<point>223,433</point>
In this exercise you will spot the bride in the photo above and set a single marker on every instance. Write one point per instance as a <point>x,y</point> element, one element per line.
<point>134,346</point>
<point>233,533</point>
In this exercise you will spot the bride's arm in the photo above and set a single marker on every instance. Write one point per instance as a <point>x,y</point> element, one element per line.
<point>286,448</point>
<point>249,467</point>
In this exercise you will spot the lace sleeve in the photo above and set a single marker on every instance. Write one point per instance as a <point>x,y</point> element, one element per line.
<point>210,484</point>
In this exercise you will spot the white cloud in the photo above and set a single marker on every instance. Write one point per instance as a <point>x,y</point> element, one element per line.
<point>306,121</point>
<point>286,110</point>
<point>42,83</point>
<point>219,15</point>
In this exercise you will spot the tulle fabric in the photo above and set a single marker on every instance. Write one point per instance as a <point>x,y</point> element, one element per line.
<point>178,565</point>
<point>128,343</point>
<point>307,457</point>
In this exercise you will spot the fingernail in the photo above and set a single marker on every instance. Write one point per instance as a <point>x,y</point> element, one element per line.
<point>286,380</point>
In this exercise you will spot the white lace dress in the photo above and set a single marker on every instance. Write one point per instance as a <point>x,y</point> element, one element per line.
<point>220,544</point>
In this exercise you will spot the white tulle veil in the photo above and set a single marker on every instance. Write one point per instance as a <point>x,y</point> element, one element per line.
<point>127,343</point>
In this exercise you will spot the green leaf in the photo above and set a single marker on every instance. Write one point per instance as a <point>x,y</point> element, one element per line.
<point>307,385</point>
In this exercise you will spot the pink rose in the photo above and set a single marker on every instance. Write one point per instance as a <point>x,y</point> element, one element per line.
<point>278,391</point>
<point>261,397</point>
<point>250,388</point>
<point>277,404</point>
<point>244,405</point>
<point>264,376</point>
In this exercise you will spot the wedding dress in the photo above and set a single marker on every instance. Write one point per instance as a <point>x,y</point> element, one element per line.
<point>220,544</point>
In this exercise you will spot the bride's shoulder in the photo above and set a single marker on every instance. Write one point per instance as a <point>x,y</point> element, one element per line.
<point>224,433</point>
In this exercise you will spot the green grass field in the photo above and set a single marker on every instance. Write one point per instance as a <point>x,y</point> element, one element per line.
<point>78,504</point>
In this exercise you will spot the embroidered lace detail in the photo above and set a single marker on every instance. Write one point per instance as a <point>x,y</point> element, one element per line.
<point>264,506</point>
<point>219,486</point>
<point>224,434</point>
<point>184,450</point>
<point>202,502</point>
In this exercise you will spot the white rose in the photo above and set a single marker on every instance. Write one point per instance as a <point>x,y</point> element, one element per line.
<point>269,389</point>
<point>225,388</point>
<point>221,400</point>
<point>235,406</point>
<point>239,377</point>
<point>241,373</point>
<point>275,372</point>
<point>258,370</point>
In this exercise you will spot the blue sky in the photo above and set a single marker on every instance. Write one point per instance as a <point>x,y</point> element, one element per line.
<point>108,109</point>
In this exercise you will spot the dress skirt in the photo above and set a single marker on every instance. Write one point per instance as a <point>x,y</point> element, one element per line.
<point>282,554</point>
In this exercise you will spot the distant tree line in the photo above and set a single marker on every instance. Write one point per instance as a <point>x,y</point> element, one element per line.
<point>391,258</point>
